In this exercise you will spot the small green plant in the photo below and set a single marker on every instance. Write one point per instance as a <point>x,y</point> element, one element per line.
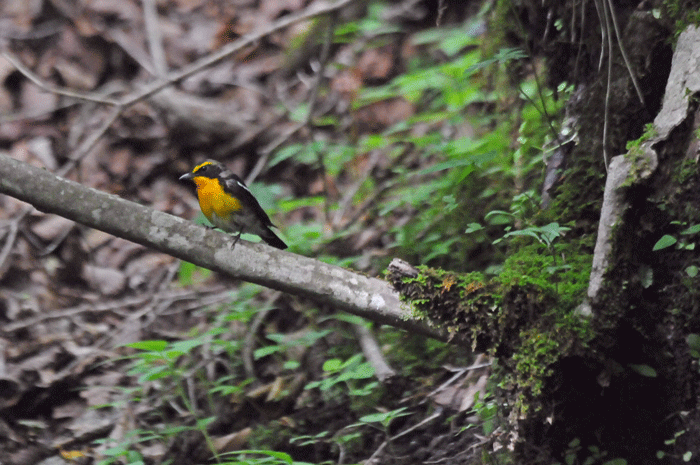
<point>346,373</point>
<point>384,419</point>
<point>668,240</point>
<point>595,455</point>
<point>157,360</point>
<point>693,341</point>
<point>545,235</point>
<point>123,452</point>
<point>487,410</point>
<point>260,457</point>
<point>687,456</point>
<point>284,343</point>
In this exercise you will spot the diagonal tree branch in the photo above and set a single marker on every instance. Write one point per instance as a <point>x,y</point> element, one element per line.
<point>368,297</point>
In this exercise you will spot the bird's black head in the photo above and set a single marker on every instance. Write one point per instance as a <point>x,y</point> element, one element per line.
<point>208,169</point>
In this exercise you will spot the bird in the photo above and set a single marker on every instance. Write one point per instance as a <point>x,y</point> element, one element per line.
<point>228,204</point>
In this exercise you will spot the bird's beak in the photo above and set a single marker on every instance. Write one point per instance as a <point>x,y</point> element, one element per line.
<point>186,177</point>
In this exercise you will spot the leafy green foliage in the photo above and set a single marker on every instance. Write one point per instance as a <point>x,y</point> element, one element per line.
<point>592,455</point>
<point>349,373</point>
<point>475,145</point>
<point>260,457</point>
<point>665,241</point>
<point>462,169</point>
<point>487,408</point>
<point>644,370</point>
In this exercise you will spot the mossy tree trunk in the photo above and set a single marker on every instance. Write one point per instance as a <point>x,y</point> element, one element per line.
<point>635,385</point>
<point>618,371</point>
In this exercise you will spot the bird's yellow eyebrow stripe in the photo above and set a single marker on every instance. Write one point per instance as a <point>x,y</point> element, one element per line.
<point>200,166</point>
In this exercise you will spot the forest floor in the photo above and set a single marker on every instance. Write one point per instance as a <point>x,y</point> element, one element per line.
<point>114,353</point>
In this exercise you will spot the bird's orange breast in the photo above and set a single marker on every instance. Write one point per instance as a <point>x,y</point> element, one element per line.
<point>214,201</point>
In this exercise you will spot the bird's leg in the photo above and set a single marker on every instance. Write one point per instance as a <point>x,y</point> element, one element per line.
<point>235,241</point>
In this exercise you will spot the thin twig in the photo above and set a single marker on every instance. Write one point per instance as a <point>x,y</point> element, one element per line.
<point>313,98</point>
<point>69,312</point>
<point>608,89</point>
<point>204,62</point>
<point>321,164</point>
<point>247,353</point>
<point>29,74</point>
<point>538,85</point>
<point>249,343</point>
<point>136,96</point>
<point>154,37</point>
<point>150,89</point>
<point>373,354</point>
<point>271,147</point>
<point>88,144</point>
<point>603,32</point>
<point>13,227</point>
<point>621,45</point>
<point>436,414</point>
<point>441,12</point>
<point>346,201</point>
<point>82,151</point>
<point>229,49</point>
<point>33,114</point>
<point>580,40</point>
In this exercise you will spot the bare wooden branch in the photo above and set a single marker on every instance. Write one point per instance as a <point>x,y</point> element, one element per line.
<point>373,353</point>
<point>368,297</point>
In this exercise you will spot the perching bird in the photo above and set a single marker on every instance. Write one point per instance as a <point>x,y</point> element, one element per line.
<point>228,204</point>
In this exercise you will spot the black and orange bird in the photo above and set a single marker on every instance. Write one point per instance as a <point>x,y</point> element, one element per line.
<point>228,203</point>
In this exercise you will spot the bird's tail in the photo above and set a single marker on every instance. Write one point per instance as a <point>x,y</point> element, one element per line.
<point>272,239</point>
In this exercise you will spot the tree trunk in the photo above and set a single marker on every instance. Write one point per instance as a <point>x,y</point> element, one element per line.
<point>635,386</point>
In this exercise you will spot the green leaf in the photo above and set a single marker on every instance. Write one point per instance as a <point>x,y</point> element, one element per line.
<point>444,166</point>
<point>333,364</point>
<point>363,371</point>
<point>692,230</point>
<point>450,202</point>
<point>553,230</point>
<point>692,271</point>
<point>348,318</point>
<point>529,232</point>
<point>496,217</point>
<point>185,273</point>
<point>456,42</point>
<point>265,351</point>
<point>375,141</point>
<point>352,361</point>
<point>186,346</point>
<point>503,55</point>
<point>155,373</point>
<point>687,456</point>
<point>284,457</point>
<point>299,113</point>
<point>665,241</point>
<point>291,365</point>
<point>473,227</point>
<point>155,345</point>
<point>693,341</point>
<point>647,276</point>
<point>644,370</point>
<point>288,205</point>
<point>384,417</point>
